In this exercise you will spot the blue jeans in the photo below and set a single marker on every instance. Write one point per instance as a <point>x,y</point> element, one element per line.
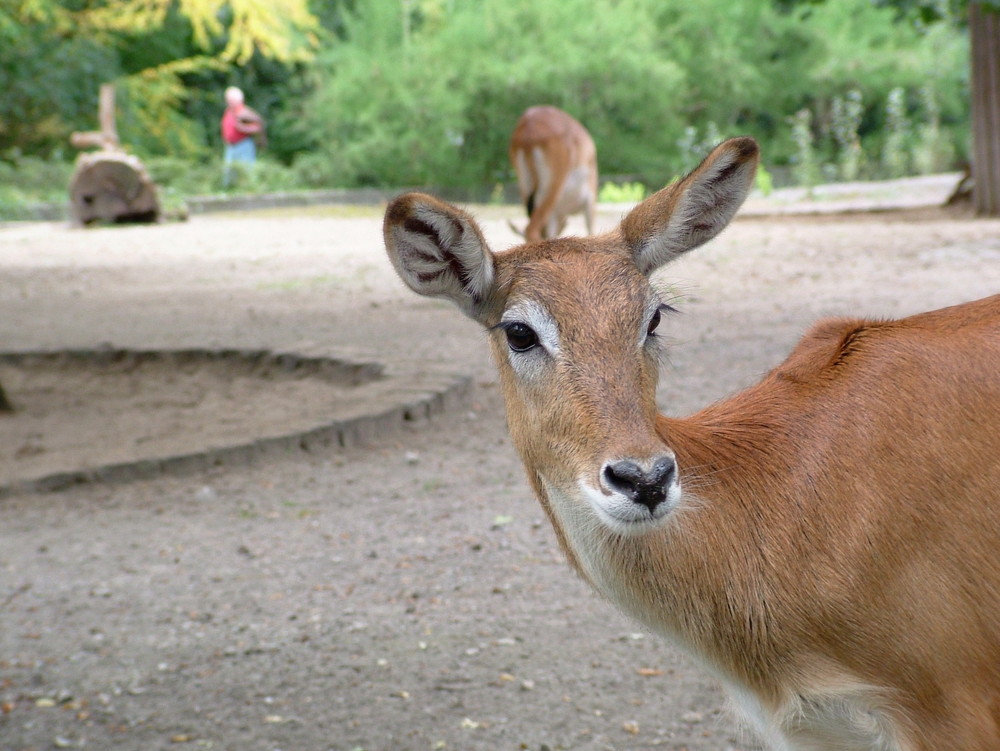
<point>241,151</point>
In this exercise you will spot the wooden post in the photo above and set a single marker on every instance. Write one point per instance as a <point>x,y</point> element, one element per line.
<point>107,137</point>
<point>106,113</point>
<point>984,32</point>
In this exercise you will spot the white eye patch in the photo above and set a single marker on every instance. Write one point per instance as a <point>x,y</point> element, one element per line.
<point>538,319</point>
<point>529,364</point>
<point>650,319</point>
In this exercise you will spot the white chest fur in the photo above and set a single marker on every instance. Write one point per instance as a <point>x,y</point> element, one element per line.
<point>838,714</point>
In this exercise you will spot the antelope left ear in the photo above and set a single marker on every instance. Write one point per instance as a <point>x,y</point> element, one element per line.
<point>438,250</point>
<point>692,211</point>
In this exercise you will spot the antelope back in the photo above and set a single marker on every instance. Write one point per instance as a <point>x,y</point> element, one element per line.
<point>555,160</point>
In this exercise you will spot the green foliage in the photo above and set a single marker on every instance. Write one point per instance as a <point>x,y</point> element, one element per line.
<point>182,177</point>
<point>746,66</point>
<point>30,180</point>
<point>921,12</point>
<point>933,150</point>
<point>694,148</point>
<point>931,11</point>
<point>805,166</point>
<point>426,92</point>
<point>449,97</point>
<point>44,99</point>
<point>895,159</point>
<point>910,138</point>
<point>264,176</point>
<point>846,115</point>
<point>150,111</point>
<point>763,181</point>
<point>868,51</point>
<point>622,192</point>
<point>657,82</point>
<point>54,54</point>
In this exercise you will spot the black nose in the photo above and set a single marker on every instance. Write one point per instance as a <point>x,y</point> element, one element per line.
<point>646,487</point>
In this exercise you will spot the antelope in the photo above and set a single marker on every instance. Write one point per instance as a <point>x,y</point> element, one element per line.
<point>825,543</point>
<point>556,164</point>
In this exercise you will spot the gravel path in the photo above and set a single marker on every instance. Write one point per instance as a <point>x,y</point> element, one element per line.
<point>402,595</point>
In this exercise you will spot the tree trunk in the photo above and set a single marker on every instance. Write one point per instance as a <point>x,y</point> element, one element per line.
<point>984,31</point>
<point>107,137</point>
<point>112,186</point>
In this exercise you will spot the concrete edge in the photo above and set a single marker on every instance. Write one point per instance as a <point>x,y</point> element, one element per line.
<point>824,199</point>
<point>406,394</point>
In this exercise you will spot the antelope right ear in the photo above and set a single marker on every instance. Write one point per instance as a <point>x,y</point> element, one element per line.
<point>692,211</point>
<point>438,250</point>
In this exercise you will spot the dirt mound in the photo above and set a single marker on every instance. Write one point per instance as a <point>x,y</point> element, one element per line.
<point>115,414</point>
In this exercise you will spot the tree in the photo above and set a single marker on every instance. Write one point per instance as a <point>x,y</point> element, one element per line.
<point>653,80</point>
<point>984,28</point>
<point>147,47</point>
<point>279,29</point>
<point>983,19</point>
<point>224,33</point>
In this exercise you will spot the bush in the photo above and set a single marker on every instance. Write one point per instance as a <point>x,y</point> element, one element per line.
<point>763,182</point>
<point>657,82</point>
<point>431,97</point>
<point>449,96</point>
<point>29,180</point>
<point>182,177</point>
<point>934,150</point>
<point>622,193</point>
<point>846,116</point>
<point>805,164</point>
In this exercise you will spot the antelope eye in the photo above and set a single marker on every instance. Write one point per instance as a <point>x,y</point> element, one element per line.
<point>520,337</point>
<point>653,323</point>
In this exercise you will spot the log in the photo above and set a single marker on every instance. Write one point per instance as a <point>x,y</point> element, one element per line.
<point>112,186</point>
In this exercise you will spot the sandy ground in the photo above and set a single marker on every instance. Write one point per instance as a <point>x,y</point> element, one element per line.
<point>405,595</point>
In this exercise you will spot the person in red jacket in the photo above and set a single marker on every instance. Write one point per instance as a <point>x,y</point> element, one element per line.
<point>240,127</point>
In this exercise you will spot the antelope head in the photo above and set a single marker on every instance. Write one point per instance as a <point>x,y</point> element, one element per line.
<point>573,325</point>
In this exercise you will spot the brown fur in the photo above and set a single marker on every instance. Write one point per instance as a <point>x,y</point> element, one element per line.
<point>566,145</point>
<point>836,554</point>
<point>851,509</point>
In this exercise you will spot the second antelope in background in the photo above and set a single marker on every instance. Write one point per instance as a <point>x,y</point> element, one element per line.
<point>556,164</point>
